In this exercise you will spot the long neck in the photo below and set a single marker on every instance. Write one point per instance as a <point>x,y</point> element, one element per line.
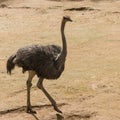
<point>64,44</point>
<point>61,58</point>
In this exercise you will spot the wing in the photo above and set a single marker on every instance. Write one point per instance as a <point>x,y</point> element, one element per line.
<point>36,56</point>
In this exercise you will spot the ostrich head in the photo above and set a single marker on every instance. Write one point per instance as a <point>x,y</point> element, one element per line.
<point>67,18</point>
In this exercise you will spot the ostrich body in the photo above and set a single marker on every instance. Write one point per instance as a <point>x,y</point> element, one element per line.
<point>44,61</point>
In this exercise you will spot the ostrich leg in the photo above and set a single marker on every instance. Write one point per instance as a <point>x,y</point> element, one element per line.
<point>40,86</point>
<point>29,84</point>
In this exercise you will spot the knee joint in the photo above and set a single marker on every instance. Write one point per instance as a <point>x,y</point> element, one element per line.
<point>29,83</point>
<point>39,85</point>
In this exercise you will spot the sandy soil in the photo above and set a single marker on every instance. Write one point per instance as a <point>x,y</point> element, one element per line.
<point>89,88</point>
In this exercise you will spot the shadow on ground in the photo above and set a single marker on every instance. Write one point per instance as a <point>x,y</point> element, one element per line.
<point>23,108</point>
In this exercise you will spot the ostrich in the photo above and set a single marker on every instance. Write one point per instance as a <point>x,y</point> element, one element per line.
<point>47,62</point>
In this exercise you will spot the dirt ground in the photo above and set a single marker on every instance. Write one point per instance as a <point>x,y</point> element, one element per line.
<point>89,88</point>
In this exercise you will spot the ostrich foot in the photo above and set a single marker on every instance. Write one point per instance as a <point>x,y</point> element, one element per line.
<point>56,109</point>
<point>29,110</point>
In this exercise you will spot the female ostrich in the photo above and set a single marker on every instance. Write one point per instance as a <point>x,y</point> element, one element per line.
<point>44,61</point>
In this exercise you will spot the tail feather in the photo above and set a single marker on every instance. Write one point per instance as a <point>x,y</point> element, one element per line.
<point>10,65</point>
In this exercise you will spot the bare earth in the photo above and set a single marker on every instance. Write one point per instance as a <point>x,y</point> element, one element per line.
<point>89,88</point>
